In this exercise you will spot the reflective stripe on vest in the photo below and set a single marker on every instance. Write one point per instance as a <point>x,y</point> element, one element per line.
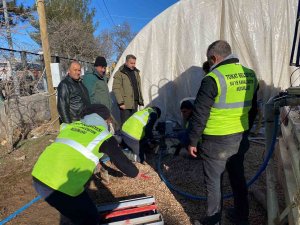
<point>141,119</point>
<point>97,139</point>
<point>68,163</point>
<point>236,86</point>
<point>85,151</point>
<point>135,125</point>
<point>222,99</point>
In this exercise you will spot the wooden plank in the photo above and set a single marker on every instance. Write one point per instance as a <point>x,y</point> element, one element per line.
<point>289,183</point>
<point>293,123</point>
<point>292,151</point>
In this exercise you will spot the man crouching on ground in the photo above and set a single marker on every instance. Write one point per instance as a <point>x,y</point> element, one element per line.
<point>66,165</point>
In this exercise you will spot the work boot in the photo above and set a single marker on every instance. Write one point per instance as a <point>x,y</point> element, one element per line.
<point>233,218</point>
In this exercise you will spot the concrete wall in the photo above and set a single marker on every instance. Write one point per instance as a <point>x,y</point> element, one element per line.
<point>24,111</point>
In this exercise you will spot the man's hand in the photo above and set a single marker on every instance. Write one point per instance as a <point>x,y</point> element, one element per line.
<point>192,151</point>
<point>122,107</point>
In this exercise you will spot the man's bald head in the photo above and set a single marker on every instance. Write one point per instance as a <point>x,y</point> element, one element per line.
<point>74,70</point>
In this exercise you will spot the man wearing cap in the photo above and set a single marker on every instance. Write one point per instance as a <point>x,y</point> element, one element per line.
<point>96,83</point>
<point>65,166</point>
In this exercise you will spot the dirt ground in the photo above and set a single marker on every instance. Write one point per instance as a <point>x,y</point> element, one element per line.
<point>181,171</point>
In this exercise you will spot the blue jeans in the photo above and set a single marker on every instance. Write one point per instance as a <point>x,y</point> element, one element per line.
<point>183,138</point>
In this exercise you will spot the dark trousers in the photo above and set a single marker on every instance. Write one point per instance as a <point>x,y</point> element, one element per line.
<point>235,168</point>
<point>215,152</point>
<point>126,113</point>
<point>137,146</point>
<point>79,209</point>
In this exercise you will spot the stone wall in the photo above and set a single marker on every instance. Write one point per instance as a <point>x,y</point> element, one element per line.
<point>23,112</point>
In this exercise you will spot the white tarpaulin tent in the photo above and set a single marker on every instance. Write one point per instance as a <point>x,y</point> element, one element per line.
<point>170,50</point>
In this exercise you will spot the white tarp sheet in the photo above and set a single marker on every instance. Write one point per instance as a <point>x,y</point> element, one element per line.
<point>170,50</point>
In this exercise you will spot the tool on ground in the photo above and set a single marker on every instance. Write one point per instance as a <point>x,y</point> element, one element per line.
<point>132,211</point>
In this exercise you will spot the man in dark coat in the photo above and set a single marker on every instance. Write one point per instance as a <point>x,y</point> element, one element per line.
<point>96,83</point>
<point>72,95</point>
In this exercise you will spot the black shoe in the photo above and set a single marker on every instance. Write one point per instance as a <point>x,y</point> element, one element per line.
<point>230,214</point>
<point>209,220</point>
<point>233,218</point>
<point>197,222</point>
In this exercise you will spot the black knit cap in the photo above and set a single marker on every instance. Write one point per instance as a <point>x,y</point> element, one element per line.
<point>100,109</point>
<point>186,105</point>
<point>100,61</point>
<point>158,111</point>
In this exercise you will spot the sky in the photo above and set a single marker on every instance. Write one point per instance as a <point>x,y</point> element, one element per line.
<point>138,13</point>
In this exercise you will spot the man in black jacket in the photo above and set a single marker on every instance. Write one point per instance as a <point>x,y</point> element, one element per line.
<point>72,97</point>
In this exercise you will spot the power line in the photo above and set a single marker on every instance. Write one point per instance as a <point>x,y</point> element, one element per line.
<point>99,6</point>
<point>108,12</point>
<point>131,17</point>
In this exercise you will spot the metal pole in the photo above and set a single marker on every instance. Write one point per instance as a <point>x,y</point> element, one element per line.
<point>47,60</point>
<point>272,199</point>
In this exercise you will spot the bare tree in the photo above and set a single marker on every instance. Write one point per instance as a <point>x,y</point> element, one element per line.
<point>121,36</point>
<point>105,44</point>
<point>73,39</point>
<point>70,27</point>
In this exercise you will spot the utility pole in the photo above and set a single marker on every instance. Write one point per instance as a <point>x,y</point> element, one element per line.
<point>7,25</point>
<point>47,60</point>
<point>11,47</point>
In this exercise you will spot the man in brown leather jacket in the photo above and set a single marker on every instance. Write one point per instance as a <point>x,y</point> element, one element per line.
<point>127,88</point>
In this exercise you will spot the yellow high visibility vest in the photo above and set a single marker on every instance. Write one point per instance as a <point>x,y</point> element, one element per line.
<point>135,125</point>
<point>236,87</point>
<point>68,163</point>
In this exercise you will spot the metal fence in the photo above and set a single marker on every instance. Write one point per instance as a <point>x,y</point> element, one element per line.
<point>24,98</point>
<point>22,73</point>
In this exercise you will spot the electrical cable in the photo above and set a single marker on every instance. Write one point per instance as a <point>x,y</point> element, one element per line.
<point>13,215</point>
<point>291,83</point>
<point>282,121</point>
<point>108,13</point>
<point>229,195</point>
<point>169,185</point>
<point>132,17</point>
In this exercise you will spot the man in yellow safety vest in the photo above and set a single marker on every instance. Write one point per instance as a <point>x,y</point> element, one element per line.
<point>66,165</point>
<point>137,131</point>
<point>221,116</point>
